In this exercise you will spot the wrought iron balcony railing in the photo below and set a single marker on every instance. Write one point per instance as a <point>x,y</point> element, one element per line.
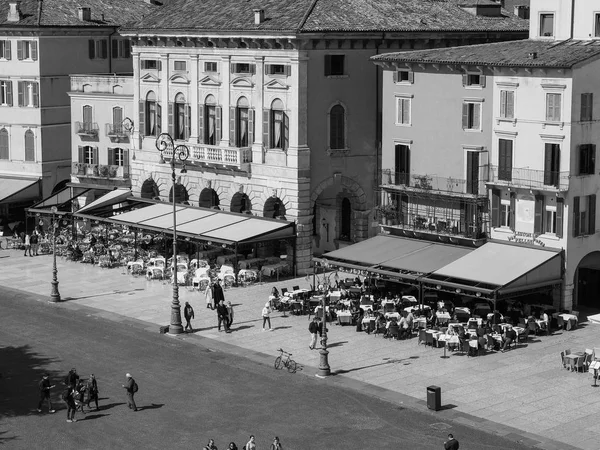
<point>529,178</point>
<point>433,183</point>
<point>86,128</point>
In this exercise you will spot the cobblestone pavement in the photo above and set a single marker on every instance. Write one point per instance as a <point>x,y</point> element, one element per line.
<point>523,393</point>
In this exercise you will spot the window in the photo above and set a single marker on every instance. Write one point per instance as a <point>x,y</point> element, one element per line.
<point>505,153</point>
<point>401,164</point>
<point>502,210</point>
<point>507,104</point>
<point>117,118</point>
<point>547,25</point>
<point>116,157</point>
<point>471,116</point>
<point>88,154</point>
<point>121,48</point>
<point>550,220</point>
<point>553,107</point>
<point>404,76</point>
<point>179,117</point>
<point>551,164</point>
<point>6,93</point>
<point>587,102</point>
<point>587,159</point>
<point>5,49</point>
<point>28,93</point>
<point>210,66</point>
<point>505,214</point>
<point>276,126</point>
<point>243,68</point>
<point>472,172</point>
<point>596,25</point>
<point>150,64</point>
<point>98,48</point>
<point>27,50</point>
<point>584,215</point>
<point>29,146</point>
<point>180,66</point>
<point>337,128</point>
<point>150,115</point>
<point>241,124</point>
<point>277,69</point>
<point>210,121</point>
<point>473,79</point>
<point>334,65</point>
<point>3,143</point>
<point>403,111</point>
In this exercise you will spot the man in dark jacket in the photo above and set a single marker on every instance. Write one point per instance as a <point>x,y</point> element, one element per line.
<point>130,388</point>
<point>218,295</point>
<point>188,313</point>
<point>72,378</point>
<point>45,387</point>
<point>92,391</point>
<point>223,316</point>
<point>68,398</point>
<point>451,443</point>
<point>313,328</point>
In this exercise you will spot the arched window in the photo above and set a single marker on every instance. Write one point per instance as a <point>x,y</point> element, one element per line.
<point>179,118</point>
<point>181,194</point>
<point>337,127</point>
<point>240,203</point>
<point>274,208</point>
<point>346,217</point>
<point>212,121</point>
<point>3,144</point>
<point>279,126</point>
<point>150,189</point>
<point>29,146</point>
<point>152,115</point>
<point>209,198</point>
<point>242,122</point>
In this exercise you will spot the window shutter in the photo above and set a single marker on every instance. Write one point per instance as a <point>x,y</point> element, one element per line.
<point>327,65</point>
<point>218,124</point>
<point>556,164</point>
<point>288,71</point>
<point>267,69</point>
<point>512,211</point>
<point>158,118</point>
<point>477,116</point>
<point>575,216</point>
<point>232,123</point>
<point>115,48</point>
<point>411,77</point>
<point>20,50</point>
<point>548,164</point>
<point>510,104</point>
<point>95,152</point>
<point>201,123</point>
<point>34,52</point>
<point>188,121</point>
<point>482,80</point>
<point>21,92</point>
<point>286,131</point>
<point>503,103</point>
<point>253,68</point>
<point>111,156</point>
<point>465,116</point>
<point>9,96</point>
<point>465,79</point>
<point>250,127</point>
<point>7,49</point>
<point>80,154</point>
<point>267,128</point>
<point>592,214</point>
<point>171,107</point>
<point>395,76</point>
<point>406,111</point>
<point>495,208</point>
<point>126,49</point>
<point>559,217</point>
<point>142,124</point>
<point>538,224</point>
<point>104,46</point>
<point>92,48</point>
<point>159,65</point>
<point>36,94</point>
<point>232,66</point>
<point>125,157</point>
<point>592,155</point>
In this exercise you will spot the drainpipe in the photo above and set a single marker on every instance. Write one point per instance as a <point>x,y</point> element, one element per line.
<point>378,122</point>
<point>572,18</point>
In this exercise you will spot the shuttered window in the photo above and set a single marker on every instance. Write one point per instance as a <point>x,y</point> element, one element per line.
<point>505,156</point>
<point>337,128</point>
<point>587,107</point>
<point>507,104</point>
<point>587,159</point>
<point>471,116</point>
<point>551,164</point>
<point>553,102</point>
<point>4,154</point>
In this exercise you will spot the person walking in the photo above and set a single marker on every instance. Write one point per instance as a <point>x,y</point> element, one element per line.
<point>72,378</point>
<point>27,243</point>
<point>451,443</point>
<point>217,293</point>
<point>223,316</point>
<point>188,313</point>
<point>208,295</point>
<point>266,315</point>
<point>131,387</point>
<point>44,388</point>
<point>313,328</point>
<point>34,240</point>
<point>251,444</point>
<point>92,391</point>
<point>67,396</point>
<point>211,445</point>
<point>276,445</point>
<point>229,315</point>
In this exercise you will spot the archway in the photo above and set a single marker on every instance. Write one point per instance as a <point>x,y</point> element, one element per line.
<point>240,203</point>
<point>181,194</point>
<point>209,198</point>
<point>60,186</point>
<point>587,280</point>
<point>274,208</point>
<point>150,189</point>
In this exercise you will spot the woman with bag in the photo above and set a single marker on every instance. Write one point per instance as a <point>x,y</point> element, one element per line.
<point>266,315</point>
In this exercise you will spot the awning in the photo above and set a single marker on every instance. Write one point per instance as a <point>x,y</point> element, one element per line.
<point>14,190</point>
<point>63,199</point>
<point>110,199</point>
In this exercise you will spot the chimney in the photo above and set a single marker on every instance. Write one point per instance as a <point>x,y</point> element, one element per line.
<point>484,9</point>
<point>259,16</point>
<point>85,13</point>
<point>522,11</point>
<point>14,12</point>
<point>533,55</point>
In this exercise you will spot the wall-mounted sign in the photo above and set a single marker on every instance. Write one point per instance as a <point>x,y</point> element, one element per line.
<point>522,237</point>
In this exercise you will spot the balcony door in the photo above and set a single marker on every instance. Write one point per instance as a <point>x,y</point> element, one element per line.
<point>402,164</point>
<point>472,172</point>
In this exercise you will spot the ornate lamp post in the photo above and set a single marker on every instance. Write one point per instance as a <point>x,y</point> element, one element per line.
<point>54,294</point>
<point>164,142</point>
<point>324,369</point>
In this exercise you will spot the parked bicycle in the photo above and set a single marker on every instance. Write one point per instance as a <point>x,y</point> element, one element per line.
<point>284,360</point>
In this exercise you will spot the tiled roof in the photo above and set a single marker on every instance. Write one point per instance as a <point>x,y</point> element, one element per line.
<point>305,16</point>
<point>557,54</point>
<point>64,13</point>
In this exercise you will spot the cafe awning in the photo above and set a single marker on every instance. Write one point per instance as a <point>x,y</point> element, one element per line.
<point>18,189</point>
<point>63,199</point>
<point>110,199</point>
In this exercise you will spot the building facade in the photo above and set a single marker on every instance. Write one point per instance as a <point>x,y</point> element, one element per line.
<point>280,105</point>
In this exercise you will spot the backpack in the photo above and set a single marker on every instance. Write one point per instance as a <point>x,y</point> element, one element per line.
<point>134,388</point>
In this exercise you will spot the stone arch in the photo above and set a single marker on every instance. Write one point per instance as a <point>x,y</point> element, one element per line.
<point>240,203</point>
<point>274,207</point>
<point>60,186</point>
<point>181,194</point>
<point>587,280</point>
<point>209,198</point>
<point>150,189</point>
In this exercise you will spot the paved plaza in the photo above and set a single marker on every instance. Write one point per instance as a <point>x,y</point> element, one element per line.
<point>523,394</point>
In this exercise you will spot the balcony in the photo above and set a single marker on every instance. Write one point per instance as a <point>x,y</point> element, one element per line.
<point>237,157</point>
<point>107,171</point>
<point>116,131</point>
<point>86,128</point>
<point>446,186</point>
<point>529,179</point>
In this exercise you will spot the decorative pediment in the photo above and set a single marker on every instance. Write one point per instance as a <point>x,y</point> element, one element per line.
<point>209,81</point>
<point>150,78</point>
<point>179,79</point>
<point>242,82</point>
<point>277,85</point>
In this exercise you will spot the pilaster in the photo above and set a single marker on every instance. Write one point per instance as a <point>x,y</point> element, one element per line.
<point>259,102</point>
<point>225,100</point>
<point>194,69</point>
<point>164,92</point>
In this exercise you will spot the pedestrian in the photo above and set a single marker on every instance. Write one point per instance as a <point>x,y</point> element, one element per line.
<point>188,313</point>
<point>131,387</point>
<point>210,446</point>
<point>44,387</point>
<point>229,315</point>
<point>78,396</point>
<point>222,316</point>
<point>276,445</point>
<point>67,396</point>
<point>208,295</point>
<point>251,444</point>
<point>266,315</point>
<point>451,443</point>
<point>217,293</point>
<point>72,378</point>
<point>92,391</point>
<point>232,446</point>
<point>313,328</point>
<point>33,240</point>
<point>27,243</point>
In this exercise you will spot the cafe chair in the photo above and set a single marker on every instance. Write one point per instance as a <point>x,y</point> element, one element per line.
<point>583,362</point>
<point>561,322</point>
<point>394,332</point>
<point>428,339</point>
<point>491,343</point>
<point>576,314</point>
<point>562,360</point>
<point>590,357</point>
<point>296,309</point>
<point>422,337</point>
<point>473,348</point>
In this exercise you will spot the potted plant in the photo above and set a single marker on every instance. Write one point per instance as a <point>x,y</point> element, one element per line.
<point>387,213</point>
<point>103,171</point>
<point>112,171</point>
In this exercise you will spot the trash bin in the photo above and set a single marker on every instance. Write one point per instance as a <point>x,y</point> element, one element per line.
<point>434,398</point>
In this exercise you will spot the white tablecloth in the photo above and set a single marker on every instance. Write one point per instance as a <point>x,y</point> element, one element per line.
<point>272,269</point>
<point>344,317</point>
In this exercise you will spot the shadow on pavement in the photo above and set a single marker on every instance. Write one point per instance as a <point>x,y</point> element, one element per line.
<point>343,371</point>
<point>153,406</point>
<point>337,344</point>
<point>110,405</point>
<point>93,416</point>
<point>244,327</point>
<point>6,439</point>
<point>280,328</point>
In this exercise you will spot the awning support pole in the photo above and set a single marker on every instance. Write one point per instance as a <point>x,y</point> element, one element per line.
<point>235,267</point>
<point>135,253</point>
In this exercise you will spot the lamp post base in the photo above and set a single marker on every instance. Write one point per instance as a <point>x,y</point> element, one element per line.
<point>324,369</point>
<point>54,294</point>
<point>175,327</point>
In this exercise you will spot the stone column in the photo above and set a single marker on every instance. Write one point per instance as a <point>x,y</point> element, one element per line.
<point>194,68</point>
<point>225,100</point>
<point>164,92</point>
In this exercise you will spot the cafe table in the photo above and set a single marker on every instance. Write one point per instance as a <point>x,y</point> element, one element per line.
<point>368,324</point>
<point>572,358</point>
<point>344,317</point>
<point>570,320</point>
<point>390,315</point>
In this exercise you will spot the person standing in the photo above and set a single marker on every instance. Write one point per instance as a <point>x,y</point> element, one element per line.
<point>131,388</point>
<point>276,445</point>
<point>211,445</point>
<point>188,313</point>
<point>44,387</point>
<point>92,391</point>
<point>68,398</point>
<point>27,243</point>
<point>34,240</point>
<point>222,316</point>
<point>313,328</point>
<point>251,444</point>
<point>217,293</point>
<point>229,315</point>
<point>72,378</point>
<point>266,315</point>
<point>451,443</point>
<point>208,295</point>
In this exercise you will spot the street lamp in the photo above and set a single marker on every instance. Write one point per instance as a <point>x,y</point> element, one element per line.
<point>54,294</point>
<point>164,142</point>
<point>324,369</point>
<point>128,126</point>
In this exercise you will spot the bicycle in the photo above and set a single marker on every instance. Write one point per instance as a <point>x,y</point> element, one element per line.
<point>288,362</point>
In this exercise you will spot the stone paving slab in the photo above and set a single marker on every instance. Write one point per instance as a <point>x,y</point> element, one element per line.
<point>523,393</point>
